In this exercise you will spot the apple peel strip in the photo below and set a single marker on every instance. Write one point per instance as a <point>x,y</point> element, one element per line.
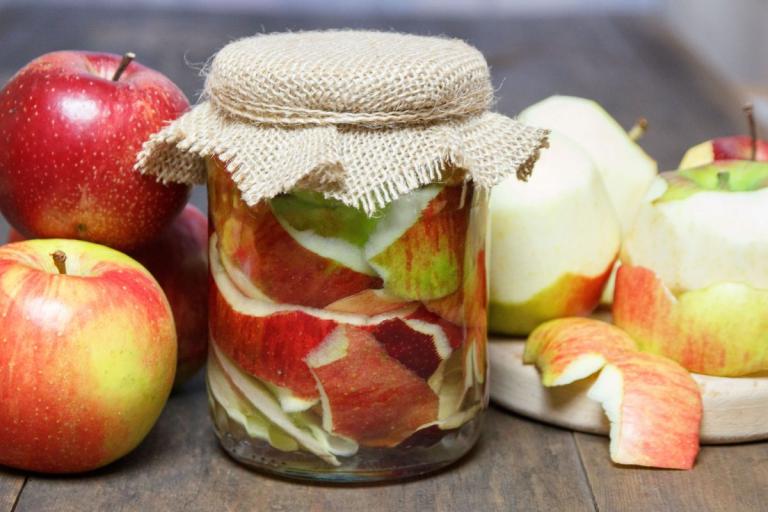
<point>263,401</point>
<point>255,307</point>
<point>653,404</point>
<point>254,422</point>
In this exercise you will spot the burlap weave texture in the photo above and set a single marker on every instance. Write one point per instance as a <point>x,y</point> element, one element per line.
<point>363,117</point>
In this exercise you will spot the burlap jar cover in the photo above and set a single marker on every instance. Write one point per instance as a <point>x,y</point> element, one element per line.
<point>363,117</point>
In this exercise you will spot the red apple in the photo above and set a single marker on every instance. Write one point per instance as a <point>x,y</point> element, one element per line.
<point>14,236</point>
<point>178,260</point>
<point>734,147</point>
<point>455,334</point>
<point>418,345</point>
<point>69,134</point>
<point>87,358</point>
<point>271,347</point>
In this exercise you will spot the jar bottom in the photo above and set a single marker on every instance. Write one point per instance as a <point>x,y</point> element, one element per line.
<point>425,452</point>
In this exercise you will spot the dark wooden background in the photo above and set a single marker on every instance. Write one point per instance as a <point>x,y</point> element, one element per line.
<point>630,65</point>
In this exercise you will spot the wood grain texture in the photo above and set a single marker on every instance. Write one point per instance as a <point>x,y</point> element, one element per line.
<point>735,409</point>
<point>518,465</point>
<point>725,478</point>
<point>11,484</point>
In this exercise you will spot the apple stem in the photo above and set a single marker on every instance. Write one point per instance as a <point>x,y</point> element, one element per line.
<point>638,130</point>
<point>723,178</point>
<point>127,59</point>
<point>750,113</point>
<point>60,260</point>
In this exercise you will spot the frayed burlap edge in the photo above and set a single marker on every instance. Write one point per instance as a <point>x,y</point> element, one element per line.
<point>363,168</point>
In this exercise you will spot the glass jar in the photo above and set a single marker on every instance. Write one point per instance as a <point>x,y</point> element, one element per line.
<point>348,347</point>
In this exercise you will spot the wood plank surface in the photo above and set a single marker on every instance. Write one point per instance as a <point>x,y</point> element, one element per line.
<point>518,465</point>
<point>11,484</point>
<point>726,478</point>
<point>630,65</point>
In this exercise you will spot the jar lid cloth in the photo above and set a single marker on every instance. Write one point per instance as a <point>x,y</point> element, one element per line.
<point>363,117</point>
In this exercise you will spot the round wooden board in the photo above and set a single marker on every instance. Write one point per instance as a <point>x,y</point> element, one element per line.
<point>735,409</point>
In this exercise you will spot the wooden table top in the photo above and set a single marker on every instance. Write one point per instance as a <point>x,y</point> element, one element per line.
<point>630,65</point>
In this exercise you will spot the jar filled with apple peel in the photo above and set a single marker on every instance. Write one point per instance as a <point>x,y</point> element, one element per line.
<point>348,177</point>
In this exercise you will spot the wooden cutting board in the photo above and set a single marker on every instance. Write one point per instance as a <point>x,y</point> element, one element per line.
<point>735,409</point>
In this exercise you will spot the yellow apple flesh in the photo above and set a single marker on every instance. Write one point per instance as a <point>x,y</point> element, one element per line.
<point>625,168</point>
<point>553,241</point>
<point>695,286</point>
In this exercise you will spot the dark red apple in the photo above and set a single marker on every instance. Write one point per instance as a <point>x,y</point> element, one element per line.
<point>178,260</point>
<point>70,128</point>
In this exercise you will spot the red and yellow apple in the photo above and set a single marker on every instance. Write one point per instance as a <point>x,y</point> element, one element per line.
<point>655,410</point>
<point>735,147</point>
<point>627,171</point>
<point>694,287</point>
<point>468,305</point>
<point>178,260</point>
<point>70,128</point>
<point>554,240</point>
<point>653,404</point>
<point>570,349</point>
<point>87,358</point>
